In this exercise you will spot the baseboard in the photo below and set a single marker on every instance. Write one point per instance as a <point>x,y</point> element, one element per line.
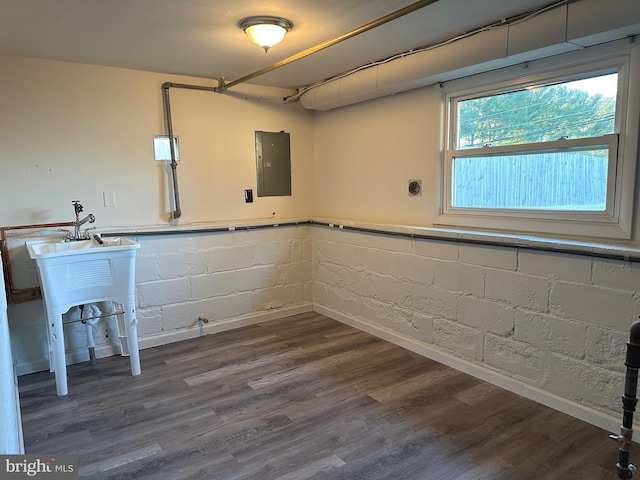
<point>203,329</point>
<point>32,366</point>
<point>581,412</point>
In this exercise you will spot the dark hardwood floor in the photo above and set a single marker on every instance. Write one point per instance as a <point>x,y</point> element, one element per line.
<point>297,398</point>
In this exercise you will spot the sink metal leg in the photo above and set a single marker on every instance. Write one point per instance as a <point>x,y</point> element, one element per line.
<point>57,351</point>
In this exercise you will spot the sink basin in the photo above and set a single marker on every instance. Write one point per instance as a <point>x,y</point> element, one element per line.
<point>80,273</point>
<point>39,250</point>
<point>75,273</point>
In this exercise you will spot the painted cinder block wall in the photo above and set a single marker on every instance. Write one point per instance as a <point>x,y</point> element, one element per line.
<point>556,322</point>
<point>229,279</point>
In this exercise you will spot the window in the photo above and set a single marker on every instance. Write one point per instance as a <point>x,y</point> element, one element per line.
<point>541,153</point>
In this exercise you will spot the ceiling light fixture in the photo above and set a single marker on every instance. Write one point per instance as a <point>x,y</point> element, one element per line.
<point>265,31</point>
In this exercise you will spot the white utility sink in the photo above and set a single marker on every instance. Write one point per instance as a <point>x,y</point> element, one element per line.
<point>84,272</point>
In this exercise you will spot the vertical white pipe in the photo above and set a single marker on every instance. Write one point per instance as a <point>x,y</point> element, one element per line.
<point>11,441</point>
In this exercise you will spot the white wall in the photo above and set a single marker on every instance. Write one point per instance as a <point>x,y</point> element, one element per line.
<point>366,154</point>
<point>72,131</point>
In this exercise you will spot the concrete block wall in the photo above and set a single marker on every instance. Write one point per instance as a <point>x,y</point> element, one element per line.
<point>557,323</point>
<point>221,277</point>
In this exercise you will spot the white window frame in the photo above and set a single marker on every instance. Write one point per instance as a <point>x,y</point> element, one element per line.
<point>616,221</point>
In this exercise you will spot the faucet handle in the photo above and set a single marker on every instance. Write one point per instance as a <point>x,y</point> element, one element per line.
<point>85,235</point>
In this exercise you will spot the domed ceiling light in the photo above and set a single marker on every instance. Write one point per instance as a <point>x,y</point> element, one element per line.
<point>265,31</point>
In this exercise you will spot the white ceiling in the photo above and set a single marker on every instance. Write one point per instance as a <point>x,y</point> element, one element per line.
<point>201,37</point>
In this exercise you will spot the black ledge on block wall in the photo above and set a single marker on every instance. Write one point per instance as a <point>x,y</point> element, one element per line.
<point>627,254</point>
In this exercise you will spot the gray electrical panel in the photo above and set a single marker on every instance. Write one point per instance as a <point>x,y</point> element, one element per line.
<point>273,162</point>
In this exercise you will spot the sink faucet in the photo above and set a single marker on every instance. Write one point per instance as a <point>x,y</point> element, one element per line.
<point>77,235</point>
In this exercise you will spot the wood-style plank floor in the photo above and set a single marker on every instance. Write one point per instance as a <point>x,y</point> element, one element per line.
<point>303,397</point>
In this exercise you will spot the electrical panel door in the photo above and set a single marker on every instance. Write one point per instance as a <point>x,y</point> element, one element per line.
<point>273,161</point>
